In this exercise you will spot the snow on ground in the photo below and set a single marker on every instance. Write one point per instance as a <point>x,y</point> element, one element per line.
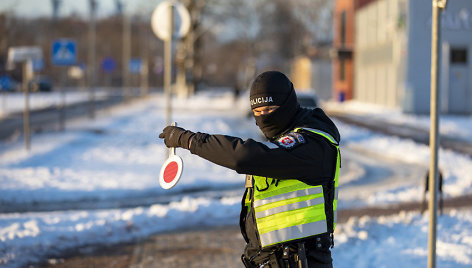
<point>114,156</point>
<point>456,126</point>
<point>27,237</point>
<point>13,102</point>
<point>118,156</point>
<point>393,241</point>
<point>456,168</point>
<point>402,241</point>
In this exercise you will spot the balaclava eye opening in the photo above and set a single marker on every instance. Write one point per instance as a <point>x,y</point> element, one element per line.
<point>269,89</point>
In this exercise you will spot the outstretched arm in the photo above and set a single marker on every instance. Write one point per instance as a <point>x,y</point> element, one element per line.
<point>311,160</point>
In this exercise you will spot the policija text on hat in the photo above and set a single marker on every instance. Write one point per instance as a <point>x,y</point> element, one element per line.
<point>288,212</point>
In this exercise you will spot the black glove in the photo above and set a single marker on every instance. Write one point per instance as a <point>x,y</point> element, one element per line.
<point>176,137</point>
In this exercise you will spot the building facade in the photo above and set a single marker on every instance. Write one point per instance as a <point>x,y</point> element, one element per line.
<point>455,58</point>
<point>392,55</point>
<point>380,48</point>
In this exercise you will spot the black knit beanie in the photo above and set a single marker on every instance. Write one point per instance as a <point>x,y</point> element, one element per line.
<point>269,89</point>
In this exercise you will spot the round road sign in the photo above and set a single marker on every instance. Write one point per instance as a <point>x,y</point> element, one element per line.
<point>171,172</point>
<point>108,65</point>
<point>160,20</point>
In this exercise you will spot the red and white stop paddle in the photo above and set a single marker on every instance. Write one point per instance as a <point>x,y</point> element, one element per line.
<point>171,170</point>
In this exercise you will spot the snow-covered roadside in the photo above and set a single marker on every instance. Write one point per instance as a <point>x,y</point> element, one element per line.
<point>454,126</point>
<point>393,241</point>
<point>14,102</point>
<point>456,168</point>
<point>119,155</point>
<point>402,241</point>
<point>116,156</point>
<point>29,237</point>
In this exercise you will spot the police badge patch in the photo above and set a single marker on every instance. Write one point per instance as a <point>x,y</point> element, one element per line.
<point>290,140</point>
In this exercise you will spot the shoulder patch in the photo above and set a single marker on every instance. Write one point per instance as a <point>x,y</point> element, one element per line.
<point>298,136</point>
<point>290,140</point>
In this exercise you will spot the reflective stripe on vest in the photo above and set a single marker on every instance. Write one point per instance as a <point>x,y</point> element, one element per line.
<point>303,204</point>
<point>287,210</point>
<point>285,196</point>
<point>293,232</point>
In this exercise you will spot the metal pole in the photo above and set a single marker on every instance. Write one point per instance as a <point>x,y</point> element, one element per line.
<point>144,68</point>
<point>26,116</point>
<point>92,58</point>
<point>55,8</point>
<point>126,54</point>
<point>144,78</point>
<point>62,110</point>
<point>433,138</point>
<point>168,66</point>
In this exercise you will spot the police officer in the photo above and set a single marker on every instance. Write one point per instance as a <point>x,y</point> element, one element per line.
<point>288,210</point>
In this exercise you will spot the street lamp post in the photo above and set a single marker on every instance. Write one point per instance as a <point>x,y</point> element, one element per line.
<point>92,58</point>
<point>126,55</point>
<point>168,65</point>
<point>438,5</point>
<point>27,71</point>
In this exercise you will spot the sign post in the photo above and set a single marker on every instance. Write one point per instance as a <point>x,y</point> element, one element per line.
<point>168,64</point>
<point>433,138</point>
<point>135,67</point>
<point>64,53</point>
<point>25,55</point>
<point>92,57</point>
<point>162,23</point>
<point>27,76</point>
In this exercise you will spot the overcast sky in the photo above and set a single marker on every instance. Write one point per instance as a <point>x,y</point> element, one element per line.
<point>35,8</point>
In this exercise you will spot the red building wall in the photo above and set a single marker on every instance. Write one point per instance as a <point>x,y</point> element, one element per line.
<point>343,44</point>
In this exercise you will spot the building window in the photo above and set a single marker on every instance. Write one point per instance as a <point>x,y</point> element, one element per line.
<point>343,28</point>
<point>342,69</point>
<point>459,55</point>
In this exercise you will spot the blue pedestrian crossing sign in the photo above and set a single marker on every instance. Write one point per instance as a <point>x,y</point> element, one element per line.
<point>64,52</point>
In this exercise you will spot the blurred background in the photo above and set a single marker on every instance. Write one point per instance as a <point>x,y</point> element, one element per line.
<point>229,43</point>
<point>371,51</point>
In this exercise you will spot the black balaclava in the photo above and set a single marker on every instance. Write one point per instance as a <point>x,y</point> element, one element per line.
<point>274,88</point>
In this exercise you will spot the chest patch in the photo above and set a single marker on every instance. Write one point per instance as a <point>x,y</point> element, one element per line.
<point>290,140</point>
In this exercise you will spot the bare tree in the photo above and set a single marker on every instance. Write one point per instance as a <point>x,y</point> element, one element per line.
<point>230,40</point>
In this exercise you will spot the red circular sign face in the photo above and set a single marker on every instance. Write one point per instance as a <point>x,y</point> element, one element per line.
<point>170,172</point>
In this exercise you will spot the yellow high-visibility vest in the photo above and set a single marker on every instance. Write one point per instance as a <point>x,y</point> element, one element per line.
<point>290,209</point>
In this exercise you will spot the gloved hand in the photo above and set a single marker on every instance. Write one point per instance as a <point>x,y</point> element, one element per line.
<point>176,137</point>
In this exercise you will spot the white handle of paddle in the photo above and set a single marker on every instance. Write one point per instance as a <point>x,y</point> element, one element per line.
<point>172,149</point>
